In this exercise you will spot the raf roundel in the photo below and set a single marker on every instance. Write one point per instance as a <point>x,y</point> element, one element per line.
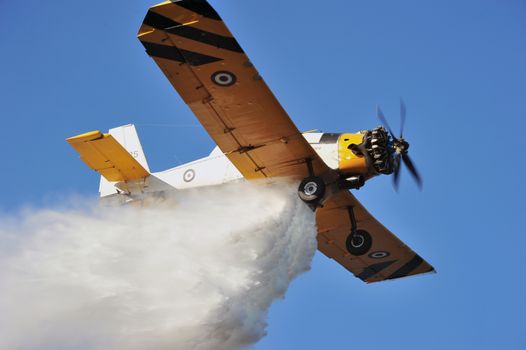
<point>224,78</point>
<point>189,175</point>
<point>378,254</point>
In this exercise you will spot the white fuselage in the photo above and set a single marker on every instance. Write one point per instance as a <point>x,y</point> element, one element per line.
<point>215,169</point>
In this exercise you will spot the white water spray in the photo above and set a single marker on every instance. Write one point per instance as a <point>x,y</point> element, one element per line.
<point>199,274</point>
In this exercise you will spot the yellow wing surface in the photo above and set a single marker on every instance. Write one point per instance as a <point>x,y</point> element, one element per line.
<point>205,64</point>
<point>102,153</point>
<point>388,258</point>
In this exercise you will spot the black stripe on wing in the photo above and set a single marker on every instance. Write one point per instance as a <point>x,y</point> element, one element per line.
<point>407,268</point>
<point>201,7</point>
<point>179,55</point>
<point>372,270</point>
<point>160,22</point>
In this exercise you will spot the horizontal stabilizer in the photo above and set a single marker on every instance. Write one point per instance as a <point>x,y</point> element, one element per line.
<point>102,153</point>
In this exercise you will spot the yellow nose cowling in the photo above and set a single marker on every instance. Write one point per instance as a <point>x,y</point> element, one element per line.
<point>350,163</point>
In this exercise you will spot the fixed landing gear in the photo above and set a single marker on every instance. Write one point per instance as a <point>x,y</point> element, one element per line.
<point>358,242</point>
<point>311,190</point>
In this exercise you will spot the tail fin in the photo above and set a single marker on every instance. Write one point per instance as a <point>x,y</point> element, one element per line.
<point>127,136</point>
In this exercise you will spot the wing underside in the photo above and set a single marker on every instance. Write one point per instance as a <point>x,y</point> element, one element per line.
<point>388,258</point>
<point>208,68</point>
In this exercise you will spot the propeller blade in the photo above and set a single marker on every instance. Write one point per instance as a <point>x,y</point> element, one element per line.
<point>396,175</point>
<point>381,116</point>
<point>412,170</point>
<point>403,112</point>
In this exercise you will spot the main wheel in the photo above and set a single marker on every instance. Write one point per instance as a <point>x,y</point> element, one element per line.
<point>311,189</point>
<point>359,243</point>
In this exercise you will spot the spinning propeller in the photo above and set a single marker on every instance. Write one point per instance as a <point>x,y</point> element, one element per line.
<point>400,147</point>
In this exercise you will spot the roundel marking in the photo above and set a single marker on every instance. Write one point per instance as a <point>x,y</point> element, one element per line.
<point>189,175</point>
<point>224,78</point>
<point>378,254</point>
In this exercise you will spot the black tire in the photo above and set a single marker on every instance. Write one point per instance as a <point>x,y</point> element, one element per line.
<point>359,243</point>
<point>311,189</point>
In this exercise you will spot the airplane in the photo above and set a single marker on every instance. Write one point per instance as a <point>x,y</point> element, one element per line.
<point>256,140</point>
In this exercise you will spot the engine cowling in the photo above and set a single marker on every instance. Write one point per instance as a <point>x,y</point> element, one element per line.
<point>351,160</point>
<point>367,153</point>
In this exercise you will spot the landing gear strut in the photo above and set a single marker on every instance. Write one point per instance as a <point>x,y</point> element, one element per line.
<point>358,241</point>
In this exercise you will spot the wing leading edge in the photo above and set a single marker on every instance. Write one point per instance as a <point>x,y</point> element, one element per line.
<point>208,68</point>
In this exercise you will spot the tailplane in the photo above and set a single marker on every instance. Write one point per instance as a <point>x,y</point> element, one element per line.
<point>117,156</point>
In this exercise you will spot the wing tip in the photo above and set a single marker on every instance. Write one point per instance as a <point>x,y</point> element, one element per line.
<point>87,136</point>
<point>161,4</point>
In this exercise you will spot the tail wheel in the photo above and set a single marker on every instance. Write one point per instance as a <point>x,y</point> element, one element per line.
<point>359,243</point>
<point>311,189</point>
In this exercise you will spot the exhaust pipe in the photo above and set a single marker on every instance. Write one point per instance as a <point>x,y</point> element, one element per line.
<point>353,182</point>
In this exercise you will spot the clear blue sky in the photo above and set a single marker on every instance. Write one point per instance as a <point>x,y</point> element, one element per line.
<point>67,67</point>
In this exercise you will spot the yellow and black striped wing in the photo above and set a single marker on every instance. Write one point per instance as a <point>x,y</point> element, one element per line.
<point>208,68</point>
<point>388,257</point>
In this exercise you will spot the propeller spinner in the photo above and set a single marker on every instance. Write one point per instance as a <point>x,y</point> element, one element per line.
<point>399,148</point>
